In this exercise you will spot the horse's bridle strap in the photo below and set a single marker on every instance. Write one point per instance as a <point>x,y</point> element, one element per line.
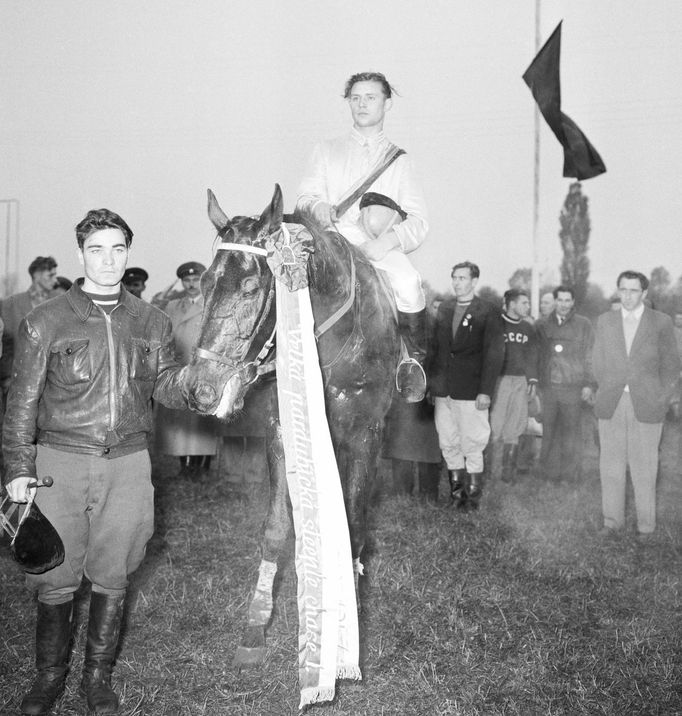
<point>247,248</point>
<point>216,357</point>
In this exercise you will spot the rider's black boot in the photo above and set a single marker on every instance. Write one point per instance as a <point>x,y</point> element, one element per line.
<point>458,491</point>
<point>475,490</point>
<point>410,377</point>
<point>53,634</point>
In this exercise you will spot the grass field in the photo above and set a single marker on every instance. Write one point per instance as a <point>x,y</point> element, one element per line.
<point>518,609</point>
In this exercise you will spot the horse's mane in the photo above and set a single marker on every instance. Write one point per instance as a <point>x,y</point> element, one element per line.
<point>328,269</point>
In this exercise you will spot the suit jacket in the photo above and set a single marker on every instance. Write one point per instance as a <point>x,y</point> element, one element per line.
<point>650,371</point>
<point>468,363</point>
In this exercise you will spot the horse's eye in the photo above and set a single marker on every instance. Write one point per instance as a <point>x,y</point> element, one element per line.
<point>250,288</point>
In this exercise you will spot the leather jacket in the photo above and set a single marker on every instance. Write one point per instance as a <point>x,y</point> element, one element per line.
<point>82,380</point>
<point>565,351</point>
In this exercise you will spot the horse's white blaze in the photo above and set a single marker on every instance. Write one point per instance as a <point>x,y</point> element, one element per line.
<point>228,399</point>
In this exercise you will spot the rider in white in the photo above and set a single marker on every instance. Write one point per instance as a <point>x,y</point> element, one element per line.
<point>339,166</point>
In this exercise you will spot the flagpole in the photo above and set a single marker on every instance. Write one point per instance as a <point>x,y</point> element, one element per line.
<point>535,269</point>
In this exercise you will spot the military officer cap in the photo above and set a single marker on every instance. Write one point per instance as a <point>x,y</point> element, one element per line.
<point>135,274</point>
<point>191,268</point>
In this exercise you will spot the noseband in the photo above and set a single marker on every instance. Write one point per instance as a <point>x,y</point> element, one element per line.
<point>252,369</point>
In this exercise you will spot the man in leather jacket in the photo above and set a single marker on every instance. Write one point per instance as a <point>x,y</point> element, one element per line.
<point>565,342</point>
<point>86,367</point>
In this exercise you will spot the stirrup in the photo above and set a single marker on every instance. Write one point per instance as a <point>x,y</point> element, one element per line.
<point>413,389</point>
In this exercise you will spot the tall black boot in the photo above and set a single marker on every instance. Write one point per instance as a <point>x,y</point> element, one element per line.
<point>475,490</point>
<point>458,487</point>
<point>53,634</point>
<point>104,626</point>
<point>410,378</point>
<point>509,463</point>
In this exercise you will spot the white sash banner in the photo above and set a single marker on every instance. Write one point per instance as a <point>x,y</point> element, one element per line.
<point>328,623</point>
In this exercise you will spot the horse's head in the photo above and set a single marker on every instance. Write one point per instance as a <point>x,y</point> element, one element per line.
<point>238,323</point>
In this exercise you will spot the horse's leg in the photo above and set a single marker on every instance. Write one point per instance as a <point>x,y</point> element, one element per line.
<point>277,529</point>
<point>358,467</point>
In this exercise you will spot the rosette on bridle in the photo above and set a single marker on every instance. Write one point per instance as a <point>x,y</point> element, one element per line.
<point>288,255</point>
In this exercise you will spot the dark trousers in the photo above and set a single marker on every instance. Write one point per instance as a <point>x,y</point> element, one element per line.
<point>562,447</point>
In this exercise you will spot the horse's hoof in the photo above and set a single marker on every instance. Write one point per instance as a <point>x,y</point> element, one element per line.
<point>248,657</point>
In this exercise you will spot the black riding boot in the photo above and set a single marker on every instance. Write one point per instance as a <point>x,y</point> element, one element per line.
<point>458,488</point>
<point>53,634</point>
<point>509,463</point>
<point>475,490</point>
<point>104,626</point>
<point>410,377</point>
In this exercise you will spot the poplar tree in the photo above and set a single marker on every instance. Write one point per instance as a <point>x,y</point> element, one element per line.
<point>574,236</point>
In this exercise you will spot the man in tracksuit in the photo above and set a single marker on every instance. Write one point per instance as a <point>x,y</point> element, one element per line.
<point>515,386</point>
<point>86,366</point>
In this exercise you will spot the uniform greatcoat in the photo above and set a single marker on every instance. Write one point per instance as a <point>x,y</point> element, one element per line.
<point>182,432</point>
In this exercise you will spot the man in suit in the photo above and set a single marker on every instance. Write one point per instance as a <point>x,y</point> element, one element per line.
<point>636,366</point>
<point>467,357</point>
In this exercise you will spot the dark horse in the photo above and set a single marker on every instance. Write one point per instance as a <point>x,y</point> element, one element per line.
<point>358,347</point>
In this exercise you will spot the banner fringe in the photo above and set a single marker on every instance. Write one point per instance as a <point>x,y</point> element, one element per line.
<point>314,695</point>
<point>348,671</point>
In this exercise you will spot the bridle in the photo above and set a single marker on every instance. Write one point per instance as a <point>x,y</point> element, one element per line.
<point>255,363</point>
<point>252,369</point>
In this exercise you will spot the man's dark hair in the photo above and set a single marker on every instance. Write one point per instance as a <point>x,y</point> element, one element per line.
<point>643,280</point>
<point>41,263</point>
<point>563,289</point>
<point>97,219</point>
<point>386,86</point>
<point>513,294</point>
<point>474,271</point>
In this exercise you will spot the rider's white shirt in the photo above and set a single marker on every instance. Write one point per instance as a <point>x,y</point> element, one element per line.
<point>337,164</point>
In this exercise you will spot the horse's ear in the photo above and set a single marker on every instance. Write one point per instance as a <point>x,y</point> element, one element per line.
<point>217,216</point>
<point>273,215</point>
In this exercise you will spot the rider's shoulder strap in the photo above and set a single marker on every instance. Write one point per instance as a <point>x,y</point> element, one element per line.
<point>392,154</point>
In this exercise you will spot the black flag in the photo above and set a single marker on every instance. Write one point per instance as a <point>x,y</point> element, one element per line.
<point>581,159</point>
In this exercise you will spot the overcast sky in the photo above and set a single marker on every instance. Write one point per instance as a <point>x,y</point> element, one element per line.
<point>141,106</point>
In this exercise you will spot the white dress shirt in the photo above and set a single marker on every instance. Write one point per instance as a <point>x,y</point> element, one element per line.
<point>630,324</point>
<point>338,164</point>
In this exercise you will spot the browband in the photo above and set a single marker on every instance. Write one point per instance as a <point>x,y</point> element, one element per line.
<point>242,247</point>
